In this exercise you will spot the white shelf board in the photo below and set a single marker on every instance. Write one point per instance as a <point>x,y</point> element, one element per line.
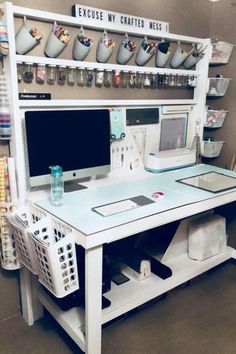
<point>95,65</point>
<point>72,321</point>
<point>134,293</point>
<point>77,22</point>
<point>102,103</point>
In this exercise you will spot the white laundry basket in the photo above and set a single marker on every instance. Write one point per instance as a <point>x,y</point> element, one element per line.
<point>56,256</point>
<point>19,221</point>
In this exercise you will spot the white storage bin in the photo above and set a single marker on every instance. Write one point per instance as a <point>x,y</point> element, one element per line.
<point>218,86</point>
<point>19,221</point>
<point>207,237</point>
<point>56,256</point>
<point>212,148</point>
<point>221,52</point>
<point>9,256</point>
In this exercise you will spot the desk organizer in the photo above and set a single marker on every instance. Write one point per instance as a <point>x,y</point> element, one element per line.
<point>8,252</point>
<point>221,52</point>
<point>218,86</point>
<point>215,118</point>
<point>56,256</point>
<point>212,148</point>
<point>19,221</point>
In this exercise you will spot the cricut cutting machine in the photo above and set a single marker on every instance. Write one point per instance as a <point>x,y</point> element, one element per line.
<point>172,152</point>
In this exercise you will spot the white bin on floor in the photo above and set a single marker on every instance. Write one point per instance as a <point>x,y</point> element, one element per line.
<point>207,237</point>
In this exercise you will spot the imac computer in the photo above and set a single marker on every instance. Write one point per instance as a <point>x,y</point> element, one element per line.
<point>76,139</point>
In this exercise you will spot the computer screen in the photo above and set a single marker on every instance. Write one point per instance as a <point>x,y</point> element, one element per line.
<point>78,140</point>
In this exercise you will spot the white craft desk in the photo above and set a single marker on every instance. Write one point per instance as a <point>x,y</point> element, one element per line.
<point>93,230</point>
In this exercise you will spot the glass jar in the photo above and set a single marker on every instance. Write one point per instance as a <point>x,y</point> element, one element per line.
<point>146,80</point>
<point>61,75</point>
<point>19,71</point>
<point>116,78</point>
<point>99,77</point>
<point>172,82</point>
<point>80,77</point>
<point>124,78</point>
<point>28,73</point>
<point>71,75</point>
<point>139,79</point>
<point>166,80</point>
<point>179,80</point>
<point>51,74</point>
<point>107,78</point>
<point>89,77</point>
<point>160,80</point>
<point>40,74</point>
<point>153,81</point>
<point>132,79</point>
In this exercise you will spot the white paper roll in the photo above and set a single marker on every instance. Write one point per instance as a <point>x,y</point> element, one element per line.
<point>12,178</point>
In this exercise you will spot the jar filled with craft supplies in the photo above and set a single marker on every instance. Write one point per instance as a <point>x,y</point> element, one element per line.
<point>40,74</point>
<point>139,79</point>
<point>51,74</point>
<point>89,77</point>
<point>71,75</point>
<point>28,73</point>
<point>146,80</point>
<point>80,77</point>
<point>61,75</point>
<point>99,77</point>
<point>57,185</point>
<point>19,71</point>
<point>107,78</point>
<point>116,78</point>
<point>132,79</point>
<point>124,78</point>
<point>153,80</point>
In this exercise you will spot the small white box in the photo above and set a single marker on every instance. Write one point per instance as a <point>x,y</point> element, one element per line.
<point>207,237</point>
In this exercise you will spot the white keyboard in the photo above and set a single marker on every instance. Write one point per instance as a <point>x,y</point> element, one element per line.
<point>117,207</point>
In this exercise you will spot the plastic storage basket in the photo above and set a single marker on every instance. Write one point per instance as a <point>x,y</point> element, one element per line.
<point>19,222</point>
<point>218,86</point>
<point>8,252</point>
<point>215,118</point>
<point>56,256</point>
<point>221,52</point>
<point>212,148</point>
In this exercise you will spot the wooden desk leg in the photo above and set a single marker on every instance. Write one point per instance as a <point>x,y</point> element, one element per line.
<point>32,310</point>
<point>93,299</point>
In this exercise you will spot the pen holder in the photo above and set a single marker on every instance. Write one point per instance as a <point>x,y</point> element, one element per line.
<point>191,61</point>
<point>142,57</point>
<point>124,54</point>
<point>162,58</point>
<point>53,46</point>
<point>80,51</point>
<point>178,57</point>
<point>103,52</point>
<point>24,41</point>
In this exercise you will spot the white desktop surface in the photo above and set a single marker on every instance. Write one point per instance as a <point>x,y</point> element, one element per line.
<point>77,209</point>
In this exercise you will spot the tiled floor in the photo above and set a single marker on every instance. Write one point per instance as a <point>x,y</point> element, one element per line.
<point>197,319</point>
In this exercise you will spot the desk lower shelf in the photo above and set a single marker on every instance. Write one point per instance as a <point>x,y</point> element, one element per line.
<point>133,293</point>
